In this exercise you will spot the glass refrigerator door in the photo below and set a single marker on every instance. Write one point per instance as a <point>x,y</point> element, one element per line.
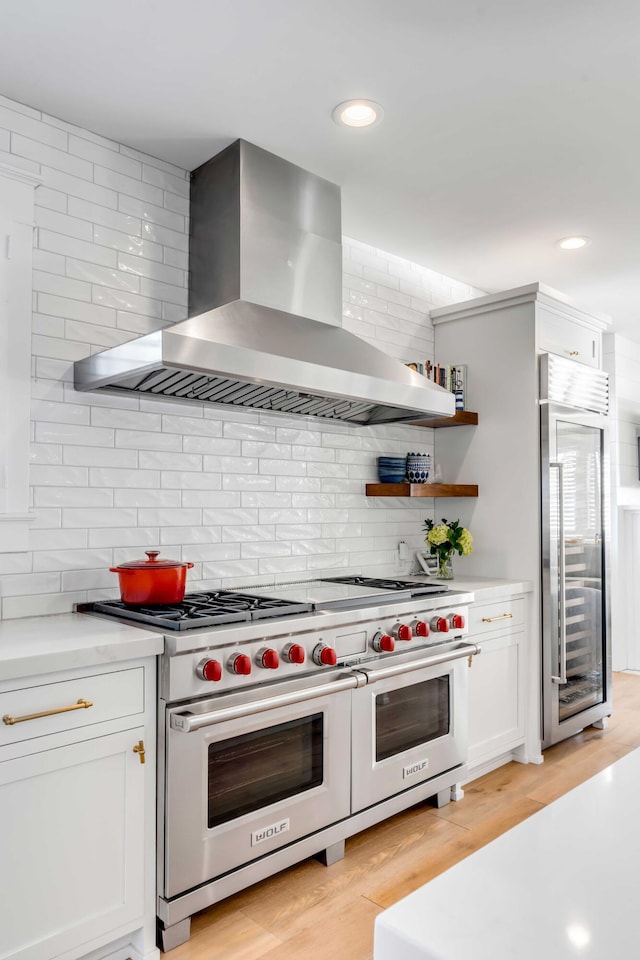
<point>577,521</point>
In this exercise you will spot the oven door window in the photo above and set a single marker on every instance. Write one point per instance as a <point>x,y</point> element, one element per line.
<point>410,716</point>
<point>256,769</point>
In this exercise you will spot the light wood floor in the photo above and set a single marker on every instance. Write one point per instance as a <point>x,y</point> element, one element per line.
<point>327,913</point>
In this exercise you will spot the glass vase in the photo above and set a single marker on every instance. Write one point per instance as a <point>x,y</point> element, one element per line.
<point>445,567</point>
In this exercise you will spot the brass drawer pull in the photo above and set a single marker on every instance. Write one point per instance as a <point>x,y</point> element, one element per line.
<point>139,749</point>
<point>81,704</point>
<point>503,616</point>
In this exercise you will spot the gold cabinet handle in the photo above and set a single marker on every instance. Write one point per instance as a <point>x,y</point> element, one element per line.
<point>503,616</point>
<point>574,353</point>
<point>139,749</point>
<point>80,705</point>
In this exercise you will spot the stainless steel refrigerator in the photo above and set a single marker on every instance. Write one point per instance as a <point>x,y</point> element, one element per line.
<point>576,654</point>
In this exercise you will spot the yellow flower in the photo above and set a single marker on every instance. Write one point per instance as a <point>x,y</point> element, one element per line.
<point>438,535</point>
<point>465,541</point>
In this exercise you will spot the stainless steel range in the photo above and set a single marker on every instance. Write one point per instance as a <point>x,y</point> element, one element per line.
<point>292,717</point>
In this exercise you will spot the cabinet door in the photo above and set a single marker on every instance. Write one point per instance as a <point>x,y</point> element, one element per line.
<point>568,338</point>
<point>496,707</point>
<point>71,845</point>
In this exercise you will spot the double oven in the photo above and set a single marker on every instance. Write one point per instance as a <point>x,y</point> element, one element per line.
<point>281,736</point>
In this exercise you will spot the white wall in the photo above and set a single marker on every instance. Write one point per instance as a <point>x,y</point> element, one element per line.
<point>622,360</point>
<point>249,497</point>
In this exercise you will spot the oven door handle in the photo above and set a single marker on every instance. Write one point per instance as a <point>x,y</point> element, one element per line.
<point>396,669</point>
<point>189,722</point>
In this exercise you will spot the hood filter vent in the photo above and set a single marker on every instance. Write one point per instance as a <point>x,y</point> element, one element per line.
<point>190,386</point>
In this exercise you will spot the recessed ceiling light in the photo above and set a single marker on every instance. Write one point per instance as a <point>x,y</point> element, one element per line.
<point>573,243</point>
<point>358,113</point>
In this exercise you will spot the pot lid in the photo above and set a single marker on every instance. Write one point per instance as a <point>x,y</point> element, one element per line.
<point>152,562</point>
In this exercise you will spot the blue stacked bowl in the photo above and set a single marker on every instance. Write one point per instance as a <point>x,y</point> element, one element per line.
<point>392,469</point>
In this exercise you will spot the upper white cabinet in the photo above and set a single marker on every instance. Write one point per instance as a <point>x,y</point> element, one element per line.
<point>16,245</point>
<point>570,336</point>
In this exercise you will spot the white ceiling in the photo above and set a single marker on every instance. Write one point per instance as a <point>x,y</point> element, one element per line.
<point>508,124</point>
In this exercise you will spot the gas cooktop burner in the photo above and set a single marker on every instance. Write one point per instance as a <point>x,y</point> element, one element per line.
<point>415,589</point>
<point>200,610</point>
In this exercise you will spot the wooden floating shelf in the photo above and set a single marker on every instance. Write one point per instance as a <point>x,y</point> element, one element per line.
<point>461,418</point>
<point>422,490</point>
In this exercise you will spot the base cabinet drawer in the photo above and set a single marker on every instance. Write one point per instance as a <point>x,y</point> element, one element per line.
<point>496,697</point>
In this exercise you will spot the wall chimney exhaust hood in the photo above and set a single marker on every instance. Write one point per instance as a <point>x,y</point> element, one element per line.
<point>265,301</point>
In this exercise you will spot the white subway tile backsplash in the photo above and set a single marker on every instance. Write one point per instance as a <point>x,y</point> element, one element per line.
<point>159,460</point>
<point>140,267</point>
<point>176,258</point>
<point>247,496</point>
<point>51,157</point>
<point>163,215</point>
<point>153,161</point>
<point>72,496</point>
<point>95,213</point>
<point>77,187</point>
<point>58,559</point>
<point>139,440</point>
<point>189,423</point>
<point>125,300</point>
<point>254,499</point>
<point>128,185</point>
<point>170,238</point>
<point>54,475</point>
<point>189,535</point>
<point>165,180</point>
<point>124,537</point>
<point>178,204</point>
<point>14,119</point>
<point>125,243</point>
<point>21,585</point>
<point>146,497</point>
<point>105,156</point>
<point>87,519</point>
<point>100,457</point>
<point>107,276</point>
<point>190,481</point>
<point>86,436</point>
<point>210,498</point>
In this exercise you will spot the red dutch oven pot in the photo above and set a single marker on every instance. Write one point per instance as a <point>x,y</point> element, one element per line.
<point>152,580</point>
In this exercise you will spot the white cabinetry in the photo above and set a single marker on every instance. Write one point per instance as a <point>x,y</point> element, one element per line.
<point>499,338</point>
<point>496,683</point>
<point>16,244</point>
<point>77,804</point>
<point>568,336</point>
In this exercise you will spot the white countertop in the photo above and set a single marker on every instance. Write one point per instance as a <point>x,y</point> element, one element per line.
<point>484,588</point>
<point>35,645</point>
<point>560,885</point>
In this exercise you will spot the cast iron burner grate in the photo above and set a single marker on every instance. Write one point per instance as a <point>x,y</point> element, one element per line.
<point>415,589</point>
<point>200,610</point>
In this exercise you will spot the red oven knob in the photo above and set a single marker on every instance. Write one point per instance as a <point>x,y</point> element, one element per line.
<point>439,625</point>
<point>294,653</point>
<point>240,664</point>
<point>401,631</point>
<point>209,670</point>
<point>420,628</point>
<point>456,620</point>
<point>268,658</point>
<point>383,643</point>
<point>324,656</point>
